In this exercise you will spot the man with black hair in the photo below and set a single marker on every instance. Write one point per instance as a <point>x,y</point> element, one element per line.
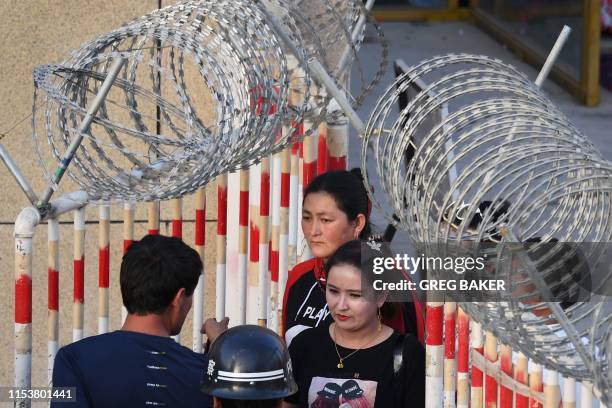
<point>141,364</point>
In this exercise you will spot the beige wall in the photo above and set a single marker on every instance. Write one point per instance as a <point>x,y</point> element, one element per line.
<point>40,32</point>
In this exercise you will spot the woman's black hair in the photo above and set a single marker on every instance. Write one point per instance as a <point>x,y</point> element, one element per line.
<point>349,193</point>
<point>352,254</point>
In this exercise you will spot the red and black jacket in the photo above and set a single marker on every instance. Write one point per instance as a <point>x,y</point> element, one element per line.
<point>304,304</point>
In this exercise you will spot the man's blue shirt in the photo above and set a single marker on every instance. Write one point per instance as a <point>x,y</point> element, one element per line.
<point>129,369</point>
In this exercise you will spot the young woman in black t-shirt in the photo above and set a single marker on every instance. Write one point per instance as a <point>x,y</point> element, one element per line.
<point>351,362</point>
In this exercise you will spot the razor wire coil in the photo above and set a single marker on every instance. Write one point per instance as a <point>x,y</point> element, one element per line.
<point>477,131</point>
<point>206,89</point>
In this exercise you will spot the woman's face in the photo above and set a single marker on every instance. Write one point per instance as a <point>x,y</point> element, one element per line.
<point>325,226</point>
<point>351,307</point>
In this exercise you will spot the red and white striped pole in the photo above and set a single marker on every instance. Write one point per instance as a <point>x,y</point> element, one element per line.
<point>153,218</point>
<point>450,364</point>
<point>477,346</point>
<point>177,232</point>
<point>309,155</point>
<point>434,350</point>
<point>177,217</point>
<point>505,393</point>
<point>296,130</point>
<point>569,392</point>
<point>53,294</point>
<point>242,245</point>
<point>521,375</point>
<point>294,203</point>
<point>309,172</point>
<point>128,238</point>
<point>552,392</point>
<point>322,154</point>
<point>337,142</point>
<point>78,307</point>
<point>221,245</point>
<point>128,225</point>
<point>302,246</point>
<point>153,210</point>
<point>263,280</point>
<point>198,294</point>
<point>490,381</point>
<point>463,359</point>
<point>25,225</point>
<point>275,180</point>
<point>536,385</point>
<point>586,395</point>
<point>103,266</point>
<point>252,286</point>
<point>283,251</point>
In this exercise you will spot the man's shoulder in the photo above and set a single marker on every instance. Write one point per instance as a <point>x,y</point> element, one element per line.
<point>130,348</point>
<point>120,341</point>
<point>130,363</point>
<point>89,343</point>
<point>85,356</point>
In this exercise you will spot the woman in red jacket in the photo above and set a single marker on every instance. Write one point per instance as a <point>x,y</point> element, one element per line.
<point>335,210</point>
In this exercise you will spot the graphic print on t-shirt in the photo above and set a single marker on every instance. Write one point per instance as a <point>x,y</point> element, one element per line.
<point>341,393</point>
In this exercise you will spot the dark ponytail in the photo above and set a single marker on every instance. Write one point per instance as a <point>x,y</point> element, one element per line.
<point>349,193</point>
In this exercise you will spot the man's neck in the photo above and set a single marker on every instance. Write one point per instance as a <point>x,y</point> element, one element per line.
<point>148,324</point>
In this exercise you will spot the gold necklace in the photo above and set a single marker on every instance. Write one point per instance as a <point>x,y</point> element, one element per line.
<point>340,358</point>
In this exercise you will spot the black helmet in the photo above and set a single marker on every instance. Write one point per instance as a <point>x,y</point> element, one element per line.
<point>249,363</point>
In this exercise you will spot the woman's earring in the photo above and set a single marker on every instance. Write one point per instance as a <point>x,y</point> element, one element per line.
<point>379,322</point>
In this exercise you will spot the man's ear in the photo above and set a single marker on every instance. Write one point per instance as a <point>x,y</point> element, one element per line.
<point>179,298</point>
